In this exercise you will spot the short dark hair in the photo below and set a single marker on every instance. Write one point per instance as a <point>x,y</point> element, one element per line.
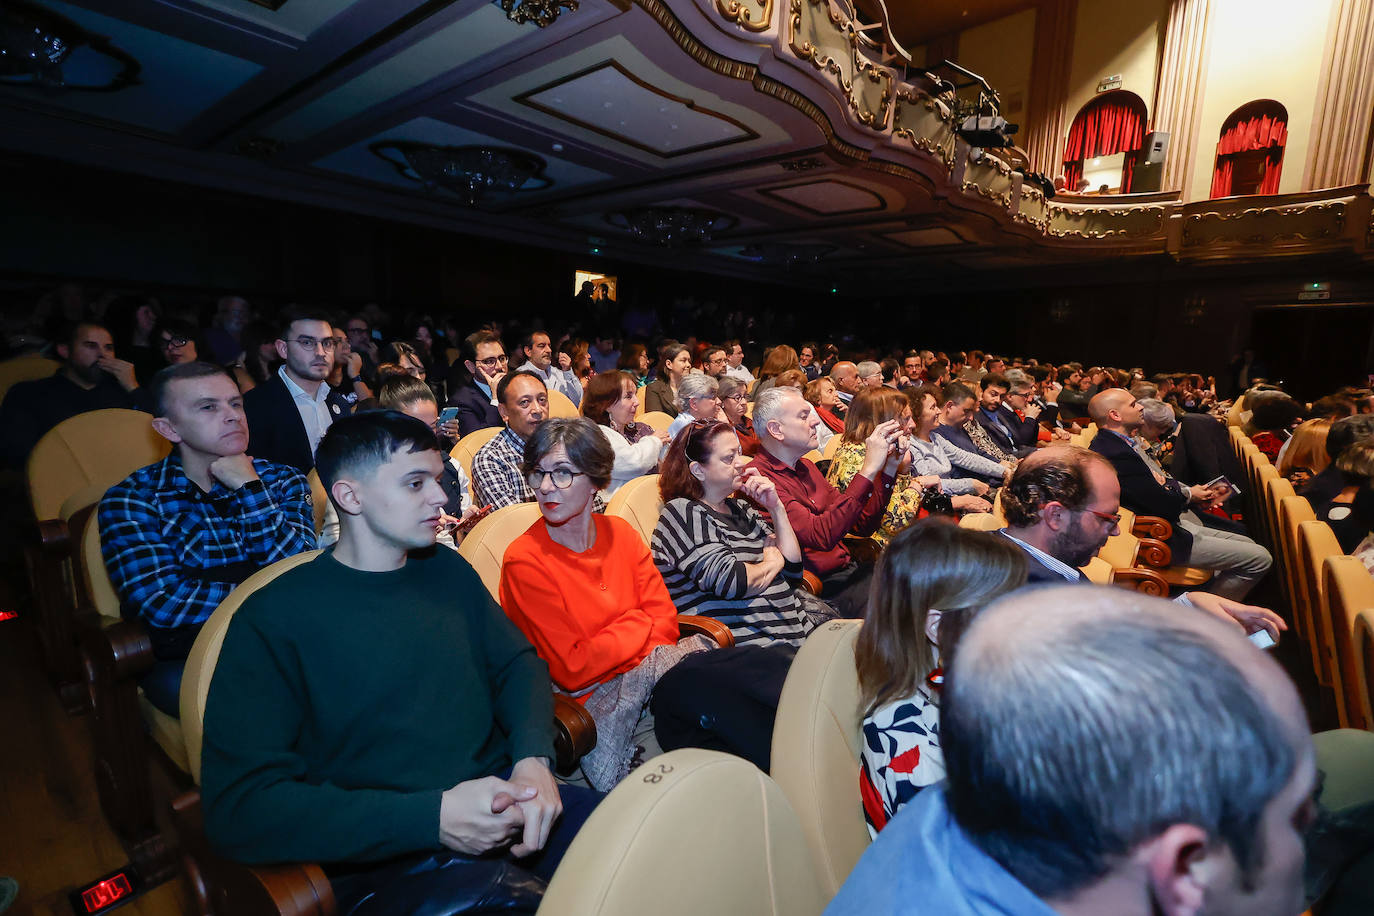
<point>996,380</point>
<point>588,450</point>
<point>362,442</point>
<point>1036,483</point>
<point>706,354</point>
<point>956,393</point>
<point>475,340</point>
<point>180,373</point>
<point>1275,413</point>
<point>528,340</point>
<point>400,391</point>
<point>509,377</point>
<point>1065,755</point>
<point>293,313</point>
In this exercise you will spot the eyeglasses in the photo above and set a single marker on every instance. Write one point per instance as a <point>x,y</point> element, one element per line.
<point>562,477</point>
<point>311,344</point>
<point>1114,519</point>
<point>741,397</point>
<point>174,343</point>
<point>492,362</point>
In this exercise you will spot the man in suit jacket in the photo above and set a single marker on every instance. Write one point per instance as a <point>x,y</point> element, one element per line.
<point>1062,505</point>
<point>289,413</point>
<point>1237,561</point>
<point>1201,447</point>
<point>1001,423</point>
<point>484,356</point>
<point>958,407</point>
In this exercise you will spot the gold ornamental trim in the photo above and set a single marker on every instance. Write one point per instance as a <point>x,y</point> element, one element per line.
<point>736,12</point>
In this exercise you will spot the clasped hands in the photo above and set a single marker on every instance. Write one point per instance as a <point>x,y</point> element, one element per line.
<point>480,815</point>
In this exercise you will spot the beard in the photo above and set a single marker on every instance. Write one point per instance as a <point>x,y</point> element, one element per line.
<point>1074,546</point>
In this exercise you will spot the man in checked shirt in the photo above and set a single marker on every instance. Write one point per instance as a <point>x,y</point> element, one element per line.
<point>178,535</point>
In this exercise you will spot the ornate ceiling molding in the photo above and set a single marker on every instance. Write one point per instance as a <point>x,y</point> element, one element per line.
<point>754,15</point>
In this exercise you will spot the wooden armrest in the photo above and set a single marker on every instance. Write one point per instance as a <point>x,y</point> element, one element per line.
<point>122,650</point>
<point>1152,526</point>
<point>261,890</point>
<point>1153,553</point>
<point>1145,581</point>
<point>811,582</point>
<point>710,627</point>
<point>863,549</point>
<point>574,732</point>
<point>54,536</point>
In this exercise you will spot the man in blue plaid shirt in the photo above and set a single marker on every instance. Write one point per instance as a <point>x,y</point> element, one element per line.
<point>178,535</point>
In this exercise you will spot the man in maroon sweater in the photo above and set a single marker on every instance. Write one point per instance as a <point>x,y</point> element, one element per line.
<point>820,514</point>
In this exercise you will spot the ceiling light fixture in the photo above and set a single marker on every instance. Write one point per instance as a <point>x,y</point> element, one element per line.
<point>671,226</point>
<point>475,173</point>
<point>41,49</point>
<point>540,12</point>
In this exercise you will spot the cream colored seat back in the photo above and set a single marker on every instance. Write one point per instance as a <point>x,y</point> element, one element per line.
<point>831,447</point>
<point>91,451</point>
<point>467,447</point>
<point>200,666</point>
<point>690,833</point>
<point>982,521</point>
<point>25,369</point>
<point>95,578</point>
<point>1364,661</point>
<point>1349,591</point>
<point>817,739</point>
<point>485,545</point>
<point>319,499</point>
<point>560,405</point>
<point>638,502</point>
<point>1316,542</point>
<point>1293,510</point>
<point>658,420</point>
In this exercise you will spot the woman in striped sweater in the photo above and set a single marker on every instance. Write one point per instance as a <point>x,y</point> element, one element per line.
<point>719,555</point>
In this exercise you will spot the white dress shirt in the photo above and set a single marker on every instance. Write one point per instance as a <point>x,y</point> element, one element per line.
<point>314,412</point>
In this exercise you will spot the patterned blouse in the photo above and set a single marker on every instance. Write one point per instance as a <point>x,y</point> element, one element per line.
<point>901,756</point>
<point>902,509</point>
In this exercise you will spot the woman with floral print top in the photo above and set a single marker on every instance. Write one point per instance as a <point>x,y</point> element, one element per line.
<point>870,408</point>
<point>928,585</point>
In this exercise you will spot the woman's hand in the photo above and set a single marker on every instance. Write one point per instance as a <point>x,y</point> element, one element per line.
<point>928,481</point>
<point>968,503</point>
<point>878,448</point>
<point>755,487</point>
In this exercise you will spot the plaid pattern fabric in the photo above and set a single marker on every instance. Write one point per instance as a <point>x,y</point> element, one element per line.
<point>496,477</point>
<point>174,552</point>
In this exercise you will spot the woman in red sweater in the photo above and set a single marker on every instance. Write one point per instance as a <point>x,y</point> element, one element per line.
<point>584,589</point>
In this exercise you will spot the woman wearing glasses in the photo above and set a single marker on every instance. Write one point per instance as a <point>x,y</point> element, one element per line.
<point>719,555</point>
<point>584,590</point>
<point>698,400</point>
<point>734,401</point>
<point>610,401</point>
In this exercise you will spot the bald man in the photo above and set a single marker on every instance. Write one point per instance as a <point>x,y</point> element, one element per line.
<point>845,375</point>
<point>1237,562</point>
<point>1093,739</point>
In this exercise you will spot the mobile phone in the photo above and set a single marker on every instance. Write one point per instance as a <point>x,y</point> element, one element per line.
<point>466,524</point>
<point>448,414</point>
<point>1262,639</point>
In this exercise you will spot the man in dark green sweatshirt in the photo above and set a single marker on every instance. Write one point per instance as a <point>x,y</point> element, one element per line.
<point>374,710</point>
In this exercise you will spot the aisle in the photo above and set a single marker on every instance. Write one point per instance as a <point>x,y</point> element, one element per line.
<point>52,835</point>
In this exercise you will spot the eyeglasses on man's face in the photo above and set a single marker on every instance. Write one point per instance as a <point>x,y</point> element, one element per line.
<point>491,362</point>
<point>174,343</point>
<point>311,344</point>
<point>562,477</point>
<point>1114,519</point>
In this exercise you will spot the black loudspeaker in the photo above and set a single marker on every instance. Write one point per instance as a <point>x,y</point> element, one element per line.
<point>1155,146</point>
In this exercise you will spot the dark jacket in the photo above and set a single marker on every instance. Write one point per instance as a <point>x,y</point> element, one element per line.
<point>1202,451</point>
<point>1142,494</point>
<point>475,409</point>
<point>1323,488</point>
<point>275,430</point>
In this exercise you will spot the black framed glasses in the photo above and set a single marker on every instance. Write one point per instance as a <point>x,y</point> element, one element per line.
<point>311,344</point>
<point>562,477</point>
<point>174,343</point>
<point>491,362</point>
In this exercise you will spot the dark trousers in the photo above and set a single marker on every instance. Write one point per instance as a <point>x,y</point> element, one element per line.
<point>846,589</point>
<point>162,684</point>
<point>445,883</point>
<point>723,700</point>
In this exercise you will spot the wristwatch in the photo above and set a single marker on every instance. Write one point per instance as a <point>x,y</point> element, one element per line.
<point>357,380</point>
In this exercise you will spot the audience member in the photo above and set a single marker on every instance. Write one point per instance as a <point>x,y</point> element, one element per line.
<point>734,403</point>
<point>634,359</point>
<point>1068,791</point>
<point>611,402</point>
<point>539,359</point>
<point>674,364</point>
<point>408,816</point>
<point>177,341</point>
<point>821,394</point>
<point>345,379</point>
<point>957,444</point>
<point>913,368</point>
<point>1273,420</point>
<point>484,357</point>
<point>1237,562</point>
<point>734,359</point>
<point>714,362</point>
<point>845,375</point>
<point>179,534</point>
<point>132,322</point>
<point>1025,413</point>
<point>1328,482</point>
<point>90,378</point>
<point>224,343</point>
<point>778,360</point>
<point>584,589</point>
<point>974,369</point>
<point>722,557</point>
<point>259,360</point>
<point>820,515</point>
<point>928,456</point>
<point>929,584</point>
<point>603,354</point>
<point>1350,513</point>
<point>1192,448</point>
<point>870,409</point>
<point>808,362</point>
<point>698,400</point>
<point>870,374</point>
<point>1305,455</point>
<point>360,340</point>
<point>1001,426</point>
<point>497,478</point>
<point>289,413</point>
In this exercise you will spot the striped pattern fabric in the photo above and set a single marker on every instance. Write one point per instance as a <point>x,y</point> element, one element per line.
<point>702,556</point>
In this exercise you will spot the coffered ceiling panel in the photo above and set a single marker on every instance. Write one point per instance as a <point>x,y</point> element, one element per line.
<point>615,103</point>
<point>829,197</point>
<point>176,81</point>
<point>295,17</point>
<point>924,238</point>
<point>360,160</point>
<point>459,43</point>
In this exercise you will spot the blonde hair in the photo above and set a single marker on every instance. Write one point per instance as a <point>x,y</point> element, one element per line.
<point>933,564</point>
<point>1307,448</point>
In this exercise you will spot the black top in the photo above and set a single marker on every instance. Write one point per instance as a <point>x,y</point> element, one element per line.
<point>33,408</point>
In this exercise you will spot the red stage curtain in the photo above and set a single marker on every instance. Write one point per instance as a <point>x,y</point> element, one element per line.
<point>1266,132</point>
<point>1112,125</point>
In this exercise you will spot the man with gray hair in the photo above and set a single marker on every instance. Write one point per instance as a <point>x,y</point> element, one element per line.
<point>821,515</point>
<point>1107,754</point>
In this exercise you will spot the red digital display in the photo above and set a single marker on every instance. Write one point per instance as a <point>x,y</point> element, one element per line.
<point>104,893</point>
<point>8,615</point>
